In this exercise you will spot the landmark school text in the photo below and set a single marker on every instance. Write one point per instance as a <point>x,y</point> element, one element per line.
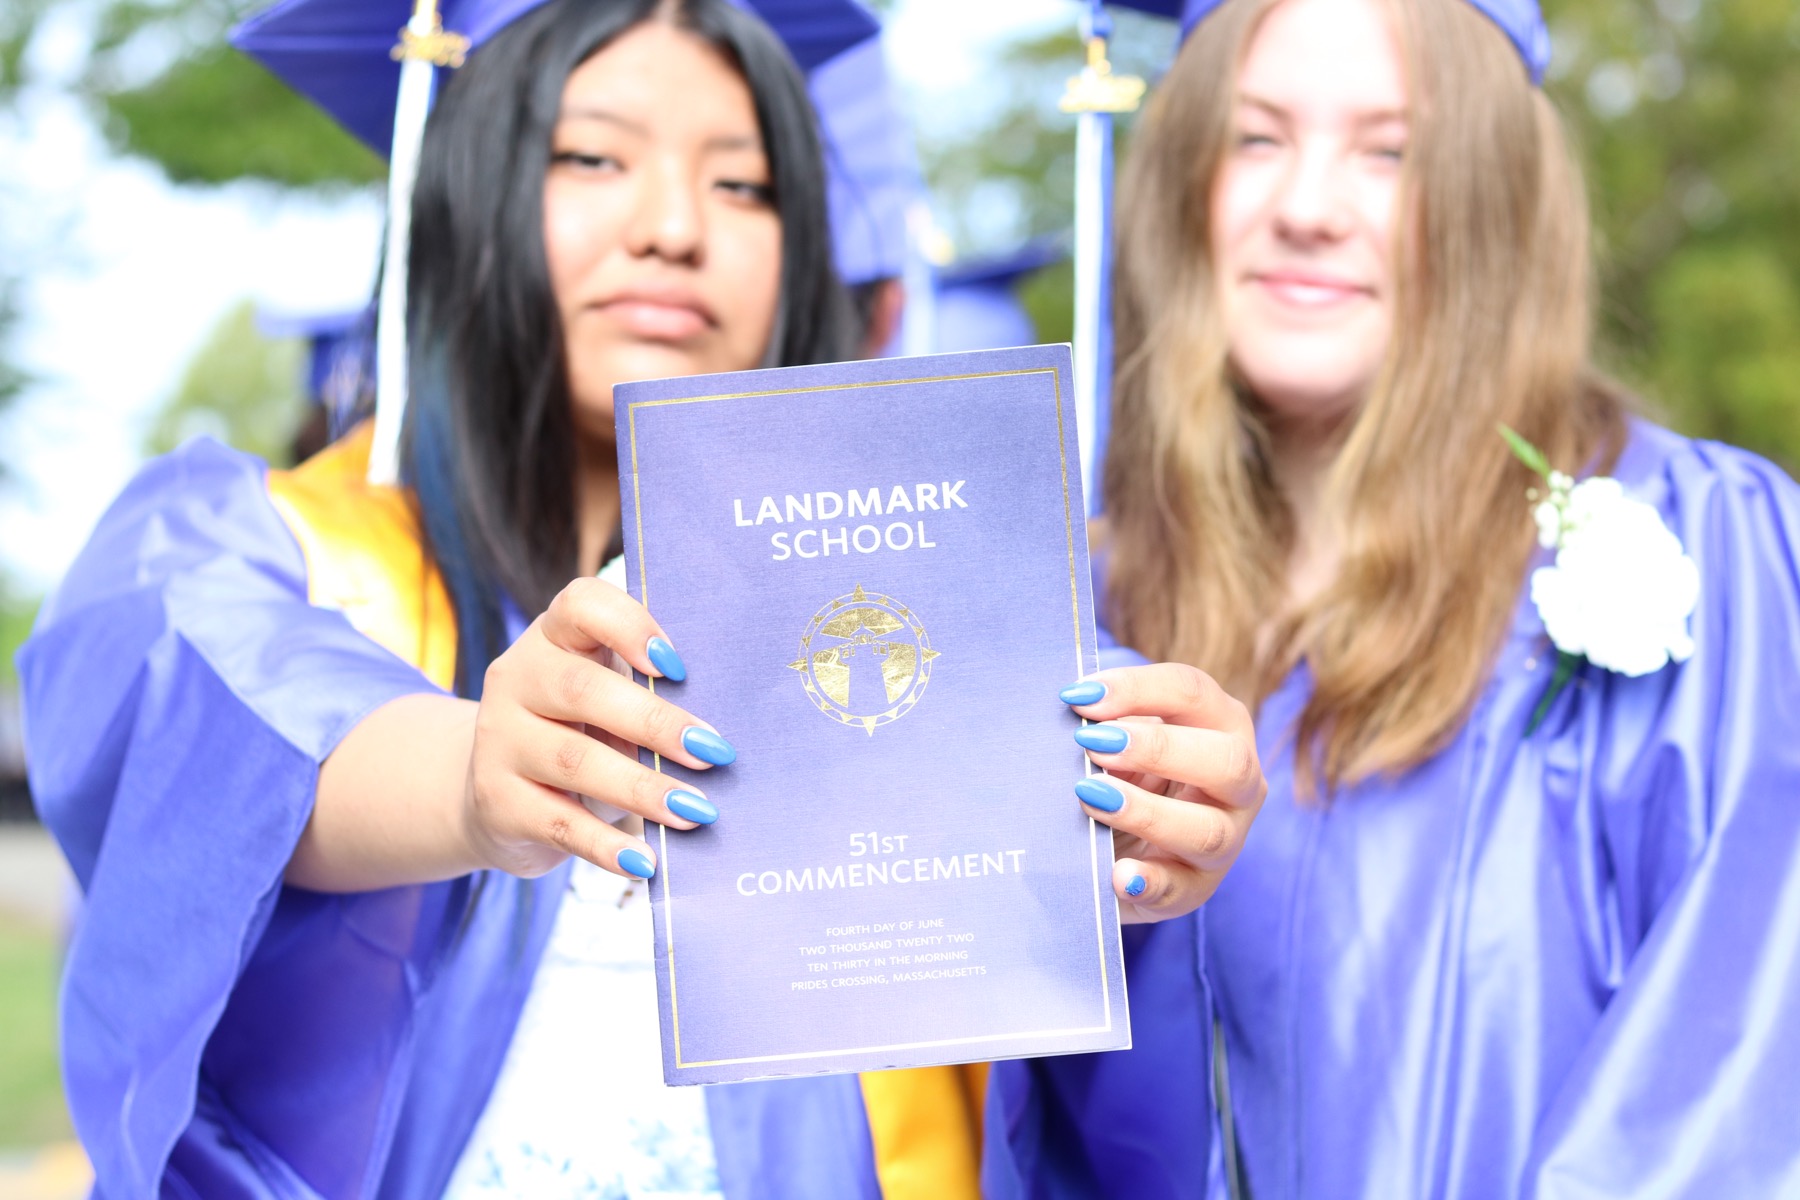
<point>871,874</point>
<point>822,541</point>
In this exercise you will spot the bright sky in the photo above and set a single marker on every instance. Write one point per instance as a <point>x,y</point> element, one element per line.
<point>126,273</point>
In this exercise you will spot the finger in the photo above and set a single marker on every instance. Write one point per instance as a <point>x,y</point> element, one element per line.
<point>1204,834</point>
<point>571,828</point>
<point>1173,691</point>
<point>1156,890</point>
<point>591,615</point>
<point>563,686</point>
<point>571,761</point>
<point>543,826</point>
<point>1222,765</point>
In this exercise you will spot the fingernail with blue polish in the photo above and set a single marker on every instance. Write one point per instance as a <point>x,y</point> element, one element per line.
<point>1096,792</point>
<point>1088,691</point>
<point>637,862</point>
<point>1136,886</point>
<point>691,807</point>
<point>1102,739</point>
<point>664,659</point>
<point>707,746</point>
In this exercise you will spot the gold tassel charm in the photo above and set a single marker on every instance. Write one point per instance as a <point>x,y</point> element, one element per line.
<point>423,39</point>
<point>1097,89</point>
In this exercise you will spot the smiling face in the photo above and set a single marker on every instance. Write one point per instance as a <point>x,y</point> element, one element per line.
<point>660,229</point>
<point>1305,205</point>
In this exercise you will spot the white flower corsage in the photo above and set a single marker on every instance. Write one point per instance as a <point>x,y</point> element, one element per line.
<point>1621,589</point>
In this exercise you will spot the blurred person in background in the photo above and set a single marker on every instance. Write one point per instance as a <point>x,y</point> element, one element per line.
<point>976,301</point>
<point>1521,913</point>
<point>332,368</point>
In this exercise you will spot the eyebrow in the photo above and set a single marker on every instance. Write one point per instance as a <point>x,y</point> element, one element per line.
<point>730,141</point>
<point>1380,116</point>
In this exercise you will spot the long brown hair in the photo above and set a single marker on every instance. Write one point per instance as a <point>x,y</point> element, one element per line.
<point>1491,325</point>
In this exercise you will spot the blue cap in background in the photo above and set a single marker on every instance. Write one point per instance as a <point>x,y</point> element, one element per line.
<point>872,170</point>
<point>977,305</point>
<point>329,338</point>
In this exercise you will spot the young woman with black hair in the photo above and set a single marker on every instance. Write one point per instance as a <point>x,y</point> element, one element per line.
<point>347,772</point>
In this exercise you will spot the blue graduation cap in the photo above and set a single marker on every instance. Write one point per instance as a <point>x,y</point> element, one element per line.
<point>371,65</point>
<point>341,54</point>
<point>1520,20</point>
<point>872,175</point>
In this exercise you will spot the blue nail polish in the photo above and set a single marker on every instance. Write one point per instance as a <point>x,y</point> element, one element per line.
<point>708,746</point>
<point>690,807</point>
<point>637,862</point>
<point>1136,886</point>
<point>1103,739</point>
<point>664,659</point>
<point>1088,691</point>
<point>1096,792</point>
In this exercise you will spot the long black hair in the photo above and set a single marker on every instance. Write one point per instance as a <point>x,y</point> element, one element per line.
<point>489,443</point>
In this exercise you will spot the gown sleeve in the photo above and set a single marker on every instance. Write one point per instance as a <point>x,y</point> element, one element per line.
<point>180,693</point>
<point>1137,1122</point>
<point>1687,1086</point>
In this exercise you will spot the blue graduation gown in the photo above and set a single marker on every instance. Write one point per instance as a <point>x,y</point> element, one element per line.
<point>1556,967</point>
<point>223,1034</point>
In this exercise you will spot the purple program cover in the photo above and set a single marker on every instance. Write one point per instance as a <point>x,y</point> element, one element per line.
<point>877,574</point>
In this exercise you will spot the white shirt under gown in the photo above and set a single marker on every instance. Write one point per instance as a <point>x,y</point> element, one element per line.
<point>580,1111</point>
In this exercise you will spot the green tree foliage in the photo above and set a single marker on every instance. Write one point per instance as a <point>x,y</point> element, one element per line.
<point>168,88</point>
<point>12,379</point>
<point>241,387</point>
<point>1685,113</point>
<point>1021,159</point>
<point>17,612</point>
<point>221,117</point>
<point>18,22</point>
<point>32,1112</point>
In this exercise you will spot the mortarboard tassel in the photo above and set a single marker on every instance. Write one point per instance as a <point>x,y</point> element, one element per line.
<point>1095,94</point>
<point>423,45</point>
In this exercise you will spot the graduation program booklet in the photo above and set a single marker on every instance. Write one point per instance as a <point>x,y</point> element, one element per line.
<point>877,574</point>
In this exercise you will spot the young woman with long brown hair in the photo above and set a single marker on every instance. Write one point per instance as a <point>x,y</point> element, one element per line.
<point>1519,915</point>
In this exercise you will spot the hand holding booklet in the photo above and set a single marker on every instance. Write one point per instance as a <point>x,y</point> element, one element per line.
<point>877,574</point>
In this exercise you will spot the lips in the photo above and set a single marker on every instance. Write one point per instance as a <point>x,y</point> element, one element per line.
<point>1309,290</point>
<point>659,314</point>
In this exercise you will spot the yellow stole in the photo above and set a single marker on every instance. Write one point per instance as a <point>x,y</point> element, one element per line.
<point>364,557</point>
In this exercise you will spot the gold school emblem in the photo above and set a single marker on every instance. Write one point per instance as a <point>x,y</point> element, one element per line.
<point>865,659</point>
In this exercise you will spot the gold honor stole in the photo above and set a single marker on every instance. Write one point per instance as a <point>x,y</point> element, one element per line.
<point>364,557</point>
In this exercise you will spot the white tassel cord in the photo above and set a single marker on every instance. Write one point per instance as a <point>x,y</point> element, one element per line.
<point>410,111</point>
<point>1092,134</point>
